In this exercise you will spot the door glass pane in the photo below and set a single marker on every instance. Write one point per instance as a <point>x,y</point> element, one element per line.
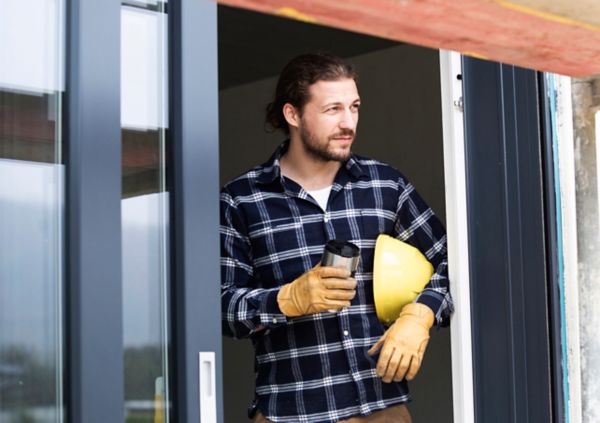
<point>149,4</point>
<point>31,210</point>
<point>145,210</point>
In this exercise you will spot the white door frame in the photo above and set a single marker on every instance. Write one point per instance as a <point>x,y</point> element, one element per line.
<point>457,228</point>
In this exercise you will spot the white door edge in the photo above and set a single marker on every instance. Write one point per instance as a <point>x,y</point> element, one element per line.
<point>457,229</point>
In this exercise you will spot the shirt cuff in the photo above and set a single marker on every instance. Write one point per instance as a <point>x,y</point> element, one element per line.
<point>270,314</point>
<point>434,300</point>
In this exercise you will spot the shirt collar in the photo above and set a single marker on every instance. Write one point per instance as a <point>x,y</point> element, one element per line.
<point>271,170</point>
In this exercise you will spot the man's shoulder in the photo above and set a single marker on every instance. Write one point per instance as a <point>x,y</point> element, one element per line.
<point>376,169</point>
<point>246,183</point>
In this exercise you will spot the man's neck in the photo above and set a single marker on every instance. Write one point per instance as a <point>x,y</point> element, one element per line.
<point>309,172</point>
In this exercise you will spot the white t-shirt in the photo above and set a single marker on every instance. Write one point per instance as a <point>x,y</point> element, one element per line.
<point>321,195</point>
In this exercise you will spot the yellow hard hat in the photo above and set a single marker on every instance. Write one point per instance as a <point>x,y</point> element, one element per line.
<point>400,273</point>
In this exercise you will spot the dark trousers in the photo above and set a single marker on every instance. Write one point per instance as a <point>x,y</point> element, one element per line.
<point>395,414</point>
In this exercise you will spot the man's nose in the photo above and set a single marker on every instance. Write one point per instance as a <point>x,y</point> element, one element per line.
<point>348,120</point>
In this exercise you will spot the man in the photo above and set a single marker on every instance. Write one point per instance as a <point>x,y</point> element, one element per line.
<point>321,353</point>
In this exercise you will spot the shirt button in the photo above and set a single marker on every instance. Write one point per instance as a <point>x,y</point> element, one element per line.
<point>274,320</point>
<point>346,333</point>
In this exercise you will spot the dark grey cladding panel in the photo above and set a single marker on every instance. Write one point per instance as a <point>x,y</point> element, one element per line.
<point>507,237</point>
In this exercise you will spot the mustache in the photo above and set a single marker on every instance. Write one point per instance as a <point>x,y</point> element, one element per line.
<point>344,133</point>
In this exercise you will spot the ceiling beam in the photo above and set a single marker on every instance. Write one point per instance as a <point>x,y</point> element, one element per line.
<point>544,35</point>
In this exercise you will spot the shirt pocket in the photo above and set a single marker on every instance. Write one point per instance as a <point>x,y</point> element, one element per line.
<point>273,237</point>
<point>259,229</point>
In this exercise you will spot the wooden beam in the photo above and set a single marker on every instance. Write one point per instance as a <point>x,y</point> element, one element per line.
<point>547,36</point>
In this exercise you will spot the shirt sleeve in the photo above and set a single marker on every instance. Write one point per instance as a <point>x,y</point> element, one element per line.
<point>245,309</point>
<point>417,225</point>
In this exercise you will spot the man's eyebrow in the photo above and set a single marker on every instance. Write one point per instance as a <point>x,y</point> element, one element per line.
<point>337,103</point>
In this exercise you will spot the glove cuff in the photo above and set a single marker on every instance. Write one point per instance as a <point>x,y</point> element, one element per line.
<point>286,302</point>
<point>420,313</point>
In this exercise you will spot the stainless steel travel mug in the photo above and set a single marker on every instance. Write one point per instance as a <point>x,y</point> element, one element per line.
<point>342,254</point>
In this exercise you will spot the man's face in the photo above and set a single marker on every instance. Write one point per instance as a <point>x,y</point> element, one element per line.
<point>327,126</point>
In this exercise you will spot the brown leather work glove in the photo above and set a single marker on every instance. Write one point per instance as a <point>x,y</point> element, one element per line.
<point>404,344</point>
<point>319,289</point>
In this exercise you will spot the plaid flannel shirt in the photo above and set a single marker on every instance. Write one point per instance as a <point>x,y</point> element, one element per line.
<point>315,368</point>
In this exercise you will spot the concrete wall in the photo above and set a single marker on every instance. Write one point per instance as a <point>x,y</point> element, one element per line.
<point>586,103</point>
<point>401,124</point>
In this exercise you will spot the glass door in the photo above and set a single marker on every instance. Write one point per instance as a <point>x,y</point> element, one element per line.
<point>31,210</point>
<point>145,211</point>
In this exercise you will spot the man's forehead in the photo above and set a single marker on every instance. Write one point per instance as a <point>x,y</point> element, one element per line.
<point>334,91</point>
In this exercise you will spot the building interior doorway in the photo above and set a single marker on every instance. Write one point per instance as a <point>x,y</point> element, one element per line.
<point>400,123</point>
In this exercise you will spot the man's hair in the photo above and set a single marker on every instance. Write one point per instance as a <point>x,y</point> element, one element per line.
<point>295,79</point>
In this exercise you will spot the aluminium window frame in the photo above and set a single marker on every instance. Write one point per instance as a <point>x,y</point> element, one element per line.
<point>94,329</point>
<point>194,171</point>
<point>507,109</point>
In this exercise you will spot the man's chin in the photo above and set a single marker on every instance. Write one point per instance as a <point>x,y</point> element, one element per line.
<point>342,157</point>
<point>339,154</point>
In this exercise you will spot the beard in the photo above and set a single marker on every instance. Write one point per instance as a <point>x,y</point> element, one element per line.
<point>320,150</point>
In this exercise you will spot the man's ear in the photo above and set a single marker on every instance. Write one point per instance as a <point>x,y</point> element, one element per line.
<point>291,115</point>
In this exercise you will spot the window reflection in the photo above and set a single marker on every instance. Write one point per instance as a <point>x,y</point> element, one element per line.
<point>145,210</point>
<point>32,46</point>
<point>149,4</point>
<point>29,128</point>
<point>31,211</point>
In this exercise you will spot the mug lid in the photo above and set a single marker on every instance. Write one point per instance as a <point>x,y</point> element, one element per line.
<point>342,248</point>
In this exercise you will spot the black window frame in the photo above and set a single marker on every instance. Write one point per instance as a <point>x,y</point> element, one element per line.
<point>94,329</point>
